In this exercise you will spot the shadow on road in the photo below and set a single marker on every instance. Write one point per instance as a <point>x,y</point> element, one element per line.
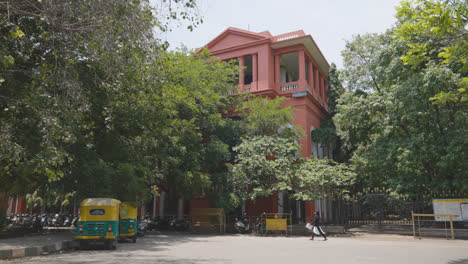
<point>458,261</point>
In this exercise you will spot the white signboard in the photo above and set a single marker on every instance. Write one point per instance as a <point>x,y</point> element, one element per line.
<point>458,208</point>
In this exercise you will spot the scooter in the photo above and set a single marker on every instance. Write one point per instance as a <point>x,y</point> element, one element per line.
<point>242,226</point>
<point>141,227</point>
<point>180,225</point>
<point>67,221</point>
<point>44,220</point>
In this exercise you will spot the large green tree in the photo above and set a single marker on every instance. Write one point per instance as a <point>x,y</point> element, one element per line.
<point>394,118</point>
<point>81,96</point>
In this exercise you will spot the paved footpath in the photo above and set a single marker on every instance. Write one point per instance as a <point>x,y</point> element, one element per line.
<point>189,248</point>
<point>33,245</point>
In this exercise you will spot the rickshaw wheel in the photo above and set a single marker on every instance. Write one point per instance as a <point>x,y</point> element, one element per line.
<point>111,245</point>
<point>134,240</point>
<point>84,245</point>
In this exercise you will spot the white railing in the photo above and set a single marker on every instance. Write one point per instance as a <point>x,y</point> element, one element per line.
<point>287,37</point>
<point>233,92</point>
<point>288,87</point>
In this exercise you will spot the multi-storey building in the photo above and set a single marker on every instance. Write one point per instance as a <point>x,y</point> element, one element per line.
<point>289,65</point>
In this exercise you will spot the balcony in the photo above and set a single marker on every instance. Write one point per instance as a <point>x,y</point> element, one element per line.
<point>285,87</point>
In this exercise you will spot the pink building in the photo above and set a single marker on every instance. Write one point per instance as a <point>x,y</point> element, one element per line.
<point>289,65</point>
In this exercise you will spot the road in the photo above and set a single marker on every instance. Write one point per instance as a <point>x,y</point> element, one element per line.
<point>189,248</point>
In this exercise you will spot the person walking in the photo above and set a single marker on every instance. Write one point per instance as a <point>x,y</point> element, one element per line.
<point>316,224</point>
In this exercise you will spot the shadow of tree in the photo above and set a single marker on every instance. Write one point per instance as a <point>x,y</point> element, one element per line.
<point>458,261</point>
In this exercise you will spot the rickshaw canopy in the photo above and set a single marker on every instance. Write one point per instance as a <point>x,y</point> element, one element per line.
<point>100,209</point>
<point>128,211</point>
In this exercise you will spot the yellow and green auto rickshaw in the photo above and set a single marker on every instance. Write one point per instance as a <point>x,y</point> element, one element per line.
<point>128,222</point>
<point>98,222</point>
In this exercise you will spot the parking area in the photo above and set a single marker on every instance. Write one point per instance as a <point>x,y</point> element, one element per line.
<point>185,248</point>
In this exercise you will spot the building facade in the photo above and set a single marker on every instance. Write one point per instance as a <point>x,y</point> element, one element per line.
<point>288,65</point>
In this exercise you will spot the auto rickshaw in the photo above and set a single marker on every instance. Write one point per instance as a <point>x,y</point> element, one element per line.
<point>128,222</point>
<point>98,222</point>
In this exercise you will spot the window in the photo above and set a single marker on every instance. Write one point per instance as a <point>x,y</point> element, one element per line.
<point>248,70</point>
<point>97,212</point>
<point>314,145</point>
<point>289,67</point>
<point>320,151</point>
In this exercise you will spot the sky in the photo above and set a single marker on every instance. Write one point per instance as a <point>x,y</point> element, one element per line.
<point>330,22</point>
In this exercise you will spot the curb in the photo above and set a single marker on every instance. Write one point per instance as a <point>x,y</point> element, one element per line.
<point>36,251</point>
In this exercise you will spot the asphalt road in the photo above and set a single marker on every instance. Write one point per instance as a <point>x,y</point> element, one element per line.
<point>187,248</point>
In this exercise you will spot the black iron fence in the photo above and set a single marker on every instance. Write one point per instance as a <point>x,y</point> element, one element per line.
<point>381,206</point>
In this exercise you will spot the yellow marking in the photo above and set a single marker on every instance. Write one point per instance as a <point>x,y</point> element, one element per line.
<point>129,234</point>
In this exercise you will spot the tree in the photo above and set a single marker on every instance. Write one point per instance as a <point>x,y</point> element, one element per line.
<point>268,159</point>
<point>400,135</point>
<point>436,31</point>
<point>190,147</point>
<point>77,108</point>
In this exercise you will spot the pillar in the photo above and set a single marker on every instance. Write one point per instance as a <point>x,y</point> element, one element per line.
<point>142,207</point>
<point>162,197</point>
<point>310,74</point>
<point>302,73</point>
<point>180,208</point>
<point>277,71</point>
<point>316,81</point>
<point>16,205</point>
<point>154,205</point>
<point>280,202</point>
<point>326,90</point>
<point>254,72</point>
<point>10,205</point>
<point>241,72</point>
<point>321,86</point>
<point>298,211</point>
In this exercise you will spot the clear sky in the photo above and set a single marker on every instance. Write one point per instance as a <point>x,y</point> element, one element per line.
<point>329,22</point>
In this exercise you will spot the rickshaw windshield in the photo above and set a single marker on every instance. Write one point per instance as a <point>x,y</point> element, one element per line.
<point>97,212</point>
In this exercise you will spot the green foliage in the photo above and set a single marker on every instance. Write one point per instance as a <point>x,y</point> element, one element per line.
<point>81,113</point>
<point>404,117</point>
<point>268,164</point>
<point>265,115</point>
<point>436,31</point>
<point>316,179</point>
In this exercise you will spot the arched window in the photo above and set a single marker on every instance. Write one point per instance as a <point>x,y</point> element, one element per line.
<point>320,151</point>
<point>314,145</point>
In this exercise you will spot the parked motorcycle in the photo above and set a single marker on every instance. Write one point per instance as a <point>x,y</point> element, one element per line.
<point>35,223</point>
<point>178,225</point>
<point>67,221</point>
<point>161,223</point>
<point>75,220</point>
<point>258,226</point>
<point>141,227</point>
<point>242,225</point>
<point>44,220</point>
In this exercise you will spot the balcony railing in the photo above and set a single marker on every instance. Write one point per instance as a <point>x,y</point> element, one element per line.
<point>288,87</point>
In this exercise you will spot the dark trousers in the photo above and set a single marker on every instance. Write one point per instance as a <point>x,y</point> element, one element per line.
<point>320,231</point>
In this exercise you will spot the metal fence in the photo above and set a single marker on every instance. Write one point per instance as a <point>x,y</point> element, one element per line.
<point>381,206</point>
